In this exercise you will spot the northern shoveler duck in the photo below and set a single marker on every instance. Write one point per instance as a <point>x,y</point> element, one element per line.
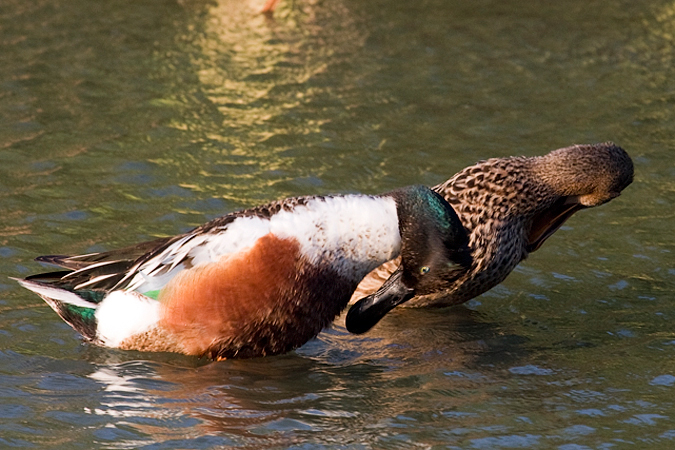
<point>510,206</point>
<point>260,281</point>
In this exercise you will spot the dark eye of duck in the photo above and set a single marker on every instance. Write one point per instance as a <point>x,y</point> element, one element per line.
<point>424,270</point>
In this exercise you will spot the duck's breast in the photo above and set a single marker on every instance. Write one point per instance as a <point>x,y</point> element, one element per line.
<point>352,234</point>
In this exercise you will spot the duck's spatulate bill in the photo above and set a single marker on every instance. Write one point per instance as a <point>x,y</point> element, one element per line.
<point>365,313</point>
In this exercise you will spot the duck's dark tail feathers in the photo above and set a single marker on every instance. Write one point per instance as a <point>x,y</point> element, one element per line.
<point>77,308</point>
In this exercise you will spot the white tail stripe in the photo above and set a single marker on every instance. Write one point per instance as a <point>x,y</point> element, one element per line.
<point>94,280</point>
<point>56,293</point>
<point>89,267</point>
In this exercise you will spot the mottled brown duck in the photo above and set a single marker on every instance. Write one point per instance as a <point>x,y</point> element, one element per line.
<point>510,206</point>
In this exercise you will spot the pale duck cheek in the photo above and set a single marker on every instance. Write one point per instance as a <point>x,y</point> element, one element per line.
<point>123,314</point>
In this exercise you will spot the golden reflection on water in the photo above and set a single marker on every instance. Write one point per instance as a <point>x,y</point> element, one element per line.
<point>245,58</point>
<point>263,75</point>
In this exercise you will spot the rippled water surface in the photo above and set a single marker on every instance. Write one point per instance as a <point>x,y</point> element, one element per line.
<point>127,120</point>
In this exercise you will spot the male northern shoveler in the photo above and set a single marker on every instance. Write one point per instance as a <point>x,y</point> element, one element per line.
<point>256,282</point>
<point>510,206</point>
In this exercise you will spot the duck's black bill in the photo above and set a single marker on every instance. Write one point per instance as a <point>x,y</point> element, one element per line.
<point>365,313</point>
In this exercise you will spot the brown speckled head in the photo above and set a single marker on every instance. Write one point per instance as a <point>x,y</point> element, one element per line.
<point>595,174</point>
<point>510,206</point>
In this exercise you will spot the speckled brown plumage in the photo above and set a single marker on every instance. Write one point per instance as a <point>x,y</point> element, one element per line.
<point>510,206</point>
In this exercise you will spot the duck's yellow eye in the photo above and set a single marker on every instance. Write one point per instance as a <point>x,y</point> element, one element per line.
<point>424,270</point>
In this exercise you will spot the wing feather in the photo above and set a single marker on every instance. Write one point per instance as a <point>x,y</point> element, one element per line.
<point>149,265</point>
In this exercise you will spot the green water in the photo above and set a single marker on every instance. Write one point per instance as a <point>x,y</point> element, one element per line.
<point>127,120</point>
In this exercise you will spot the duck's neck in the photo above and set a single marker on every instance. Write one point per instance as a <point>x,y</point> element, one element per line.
<point>425,220</point>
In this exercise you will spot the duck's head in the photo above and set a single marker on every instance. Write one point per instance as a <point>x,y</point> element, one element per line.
<point>581,176</point>
<point>434,253</point>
